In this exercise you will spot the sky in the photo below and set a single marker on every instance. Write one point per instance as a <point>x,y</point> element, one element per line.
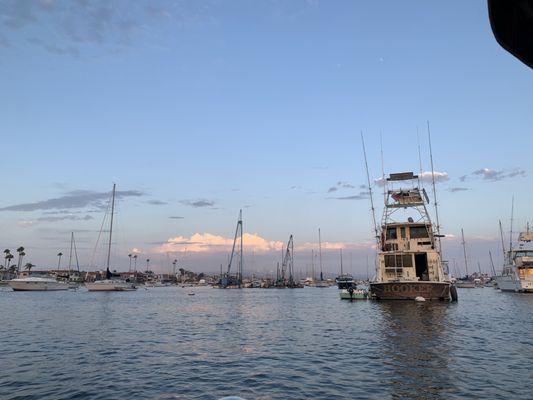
<point>197,109</point>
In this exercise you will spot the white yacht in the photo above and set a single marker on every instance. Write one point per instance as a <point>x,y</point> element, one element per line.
<point>517,274</point>
<point>34,283</point>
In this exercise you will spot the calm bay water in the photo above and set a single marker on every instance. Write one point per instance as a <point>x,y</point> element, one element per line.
<point>161,343</point>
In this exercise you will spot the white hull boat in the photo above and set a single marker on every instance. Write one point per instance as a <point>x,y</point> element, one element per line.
<point>517,273</point>
<point>37,284</point>
<point>110,285</point>
<point>509,283</point>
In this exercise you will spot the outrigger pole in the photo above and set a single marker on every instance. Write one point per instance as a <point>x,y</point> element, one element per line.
<point>376,235</point>
<point>434,191</point>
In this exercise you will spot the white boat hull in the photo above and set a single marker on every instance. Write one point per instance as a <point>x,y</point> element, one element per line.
<point>37,286</point>
<point>509,283</point>
<point>109,286</point>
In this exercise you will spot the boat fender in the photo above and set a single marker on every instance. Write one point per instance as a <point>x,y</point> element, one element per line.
<point>453,293</point>
<point>419,298</point>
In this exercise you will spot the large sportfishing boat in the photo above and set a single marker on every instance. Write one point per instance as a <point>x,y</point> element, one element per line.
<point>517,274</point>
<point>409,263</point>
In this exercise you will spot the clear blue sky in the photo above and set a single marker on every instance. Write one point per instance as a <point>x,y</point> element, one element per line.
<point>199,108</point>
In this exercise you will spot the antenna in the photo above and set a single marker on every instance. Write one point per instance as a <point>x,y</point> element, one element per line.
<point>376,236</point>
<point>434,190</point>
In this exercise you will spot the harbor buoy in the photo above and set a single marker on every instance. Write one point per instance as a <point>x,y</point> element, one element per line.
<point>419,298</point>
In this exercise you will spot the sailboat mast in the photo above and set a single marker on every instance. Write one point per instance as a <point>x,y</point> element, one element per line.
<point>241,260</point>
<point>503,243</point>
<point>313,264</point>
<point>511,229</point>
<point>111,225</point>
<point>70,253</point>
<point>492,264</point>
<point>320,254</point>
<point>464,251</point>
<point>341,261</point>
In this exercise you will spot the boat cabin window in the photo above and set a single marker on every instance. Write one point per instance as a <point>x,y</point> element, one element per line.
<point>402,232</point>
<point>418,232</point>
<point>391,233</point>
<point>398,261</point>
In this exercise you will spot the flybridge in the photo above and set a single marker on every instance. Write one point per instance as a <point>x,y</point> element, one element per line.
<point>402,176</point>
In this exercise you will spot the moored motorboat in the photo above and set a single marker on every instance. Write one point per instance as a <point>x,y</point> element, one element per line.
<point>353,294</point>
<point>409,263</point>
<point>517,274</point>
<point>34,283</point>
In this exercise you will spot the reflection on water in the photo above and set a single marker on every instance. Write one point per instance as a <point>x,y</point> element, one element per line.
<point>414,340</point>
<point>262,344</point>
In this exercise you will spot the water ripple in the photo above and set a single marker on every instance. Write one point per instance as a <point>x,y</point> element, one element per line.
<point>262,344</point>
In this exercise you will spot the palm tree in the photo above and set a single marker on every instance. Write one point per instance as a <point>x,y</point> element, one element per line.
<point>28,267</point>
<point>9,257</point>
<point>59,255</point>
<point>7,252</point>
<point>21,254</point>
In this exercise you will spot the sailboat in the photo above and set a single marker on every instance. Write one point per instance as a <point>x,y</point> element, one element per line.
<point>110,284</point>
<point>465,283</point>
<point>321,283</point>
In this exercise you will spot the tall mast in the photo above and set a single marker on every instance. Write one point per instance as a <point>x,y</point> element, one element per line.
<point>241,261</point>
<point>76,253</point>
<point>464,251</point>
<point>382,168</point>
<point>376,236</point>
<point>320,254</point>
<point>111,225</point>
<point>419,153</point>
<point>511,230</point>
<point>313,264</point>
<point>434,190</point>
<point>503,244</point>
<point>492,264</point>
<point>341,261</point>
<point>70,253</point>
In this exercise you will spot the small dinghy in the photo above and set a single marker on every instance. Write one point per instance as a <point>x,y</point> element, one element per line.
<point>353,294</point>
<point>191,293</point>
